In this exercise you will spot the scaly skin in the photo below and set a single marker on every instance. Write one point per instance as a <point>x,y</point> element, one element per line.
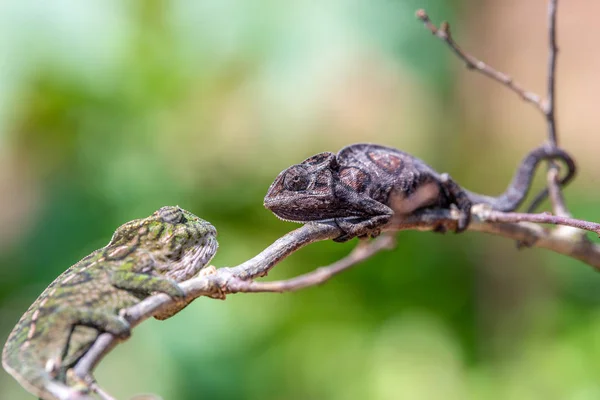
<point>365,186</point>
<point>144,256</point>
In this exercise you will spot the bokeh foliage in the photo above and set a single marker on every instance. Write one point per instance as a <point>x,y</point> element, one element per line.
<point>110,109</point>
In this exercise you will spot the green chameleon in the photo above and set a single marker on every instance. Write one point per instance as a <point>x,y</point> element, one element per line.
<point>144,256</point>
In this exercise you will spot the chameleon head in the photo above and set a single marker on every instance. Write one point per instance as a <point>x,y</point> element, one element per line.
<point>172,242</point>
<point>304,191</point>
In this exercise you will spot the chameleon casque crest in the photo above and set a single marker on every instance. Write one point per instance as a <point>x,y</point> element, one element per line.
<point>144,256</point>
<point>364,186</point>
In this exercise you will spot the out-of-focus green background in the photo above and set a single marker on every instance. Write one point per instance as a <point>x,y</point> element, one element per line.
<point>111,109</point>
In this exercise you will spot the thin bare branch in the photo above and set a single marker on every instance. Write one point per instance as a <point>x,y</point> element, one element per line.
<point>543,218</point>
<point>100,392</point>
<point>551,100</point>
<point>283,247</point>
<point>558,240</point>
<point>556,198</point>
<point>363,251</point>
<point>443,32</point>
<point>101,347</point>
<point>555,193</point>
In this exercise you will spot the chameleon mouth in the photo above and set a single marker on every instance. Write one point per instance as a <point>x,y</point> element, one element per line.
<point>274,206</point>
<point>289,220</point>
<point>270,204</point>
<point>194,260</point>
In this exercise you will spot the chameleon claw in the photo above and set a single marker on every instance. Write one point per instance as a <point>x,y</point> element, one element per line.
<point>119,327</point>
<point>463,222</point>
<point>440,229</point>
<point>374,233</point>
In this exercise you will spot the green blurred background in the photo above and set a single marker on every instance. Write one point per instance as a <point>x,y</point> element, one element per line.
<point>111,109</point>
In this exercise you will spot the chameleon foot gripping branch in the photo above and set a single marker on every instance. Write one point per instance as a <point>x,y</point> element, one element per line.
<point>144,256</point>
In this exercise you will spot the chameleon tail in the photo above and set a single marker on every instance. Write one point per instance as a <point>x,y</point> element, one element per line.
<point>521,182</point>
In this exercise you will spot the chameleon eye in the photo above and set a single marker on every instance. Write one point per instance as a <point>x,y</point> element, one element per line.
<point>296,179</point>
<point>171,215</point>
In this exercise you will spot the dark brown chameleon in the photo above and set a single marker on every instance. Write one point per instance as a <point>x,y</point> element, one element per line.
<point>144,256</point>
<point>362,187</point>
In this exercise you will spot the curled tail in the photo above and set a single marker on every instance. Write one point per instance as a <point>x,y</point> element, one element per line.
<point>521,182</point>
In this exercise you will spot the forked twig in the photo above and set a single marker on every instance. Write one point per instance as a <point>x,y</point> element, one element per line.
<point>443,32</point>
<point>543,218</point>
<point>320,275</point>
<point>546,107</point>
